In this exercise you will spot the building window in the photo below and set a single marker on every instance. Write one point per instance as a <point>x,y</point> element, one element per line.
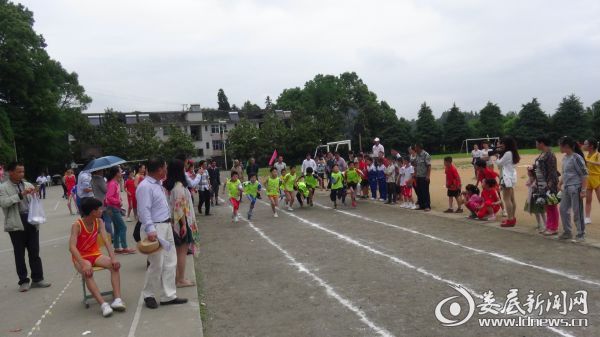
<point>207,145</point>
<point>217,144</point>
<point>166,131</point>
<point>196,132</point>
<point>206,128</point>
<point>214,128</point>
<point>200,152</point>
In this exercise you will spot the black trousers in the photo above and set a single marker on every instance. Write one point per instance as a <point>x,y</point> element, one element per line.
<point>27,239</point>
<point>204,198</point>
<point>423,193</point>
<point>391,192</point>
<point>215,193</point>
<point>43,191</point>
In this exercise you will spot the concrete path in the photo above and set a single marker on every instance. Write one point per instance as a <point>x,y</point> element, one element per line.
<point>382,271</point>
<point>58,310</point>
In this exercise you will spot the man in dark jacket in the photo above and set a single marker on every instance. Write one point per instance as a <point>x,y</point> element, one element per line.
<point>252,168</point>
<point>214,175</point>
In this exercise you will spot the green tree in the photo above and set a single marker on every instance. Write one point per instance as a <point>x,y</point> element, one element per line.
<point>594,117</point>
<point>7,152</point>
<point>223,101</point>
<point>243,141</point>
<point>36,92</point>
<point>179,143</point>
<point>456,129</point>
<point>530,123</point>
<point>490,121</point>
<point>143,142</point>
<point>112,136</point>
<point>268,103</point>
<point>273,134</point>
<point>428,131</point>
<point>570,119</point>
<point>250,107</point>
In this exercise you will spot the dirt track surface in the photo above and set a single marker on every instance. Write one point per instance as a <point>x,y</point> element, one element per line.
<point>377,271</point>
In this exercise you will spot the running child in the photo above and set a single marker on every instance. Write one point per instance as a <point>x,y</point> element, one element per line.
<point>337,186</point>
<point>251,188</point>
<point>234,190</point>
<point>273,184</point>
<point>288,186</point>
<point>86,254</point>
<point>312,181</point>
<point>281,190</point>
<point>303,191</point>
<point>353,177</point>
<point>453,185</point>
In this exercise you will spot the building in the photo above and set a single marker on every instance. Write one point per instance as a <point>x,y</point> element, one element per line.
<point>207,128</point>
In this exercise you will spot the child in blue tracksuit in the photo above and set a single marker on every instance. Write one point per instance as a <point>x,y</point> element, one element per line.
<point>381,181</point>
<point>372,176</point>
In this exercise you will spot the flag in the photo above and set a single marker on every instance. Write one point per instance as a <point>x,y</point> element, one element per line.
<point>273,157</point>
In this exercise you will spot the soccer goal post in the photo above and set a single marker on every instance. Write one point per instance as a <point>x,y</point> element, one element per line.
<point>466,142</point>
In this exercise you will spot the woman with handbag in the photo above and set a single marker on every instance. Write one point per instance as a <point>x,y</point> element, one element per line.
<point>185,231</point>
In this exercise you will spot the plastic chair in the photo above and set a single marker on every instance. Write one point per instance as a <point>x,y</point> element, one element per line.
<point>87,296</point>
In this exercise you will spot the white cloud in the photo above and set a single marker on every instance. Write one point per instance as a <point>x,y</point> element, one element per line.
<point>156,55</point>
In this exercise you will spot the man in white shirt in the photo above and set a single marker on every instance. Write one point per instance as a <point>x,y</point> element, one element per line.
<point>41,181</point>
<point>377,148</point>
<point>279,165</point>
<point>84,185</point>
<point>308,162</point>
<point>155,216</point>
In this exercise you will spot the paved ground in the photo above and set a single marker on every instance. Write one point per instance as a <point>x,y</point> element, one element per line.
<point>379,270</point>
<point>58,311</point>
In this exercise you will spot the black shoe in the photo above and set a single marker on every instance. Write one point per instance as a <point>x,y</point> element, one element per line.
<point>150,303</point>
<point>207,214</point>
<point>176,300</point>
<point>565,236</point>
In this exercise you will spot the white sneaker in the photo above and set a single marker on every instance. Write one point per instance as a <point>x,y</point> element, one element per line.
<point>290,209</point>
<point>235,219</point>
<point>373,199</point>
<point>118,305</point>
<point>275,215</point>
<point>414,207</point>
<point>504,214</point>
<point>106,309</point>
<point>128,219</point>
<point>587,221</point>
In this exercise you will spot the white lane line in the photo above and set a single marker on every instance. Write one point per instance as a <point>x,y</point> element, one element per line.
<point>42,243</point>
<point>398,261</point>
<point>49,310</point>
<point>56,206</point>
<point>136,317</point>
<point>328,288</point>
<point>499,256</point>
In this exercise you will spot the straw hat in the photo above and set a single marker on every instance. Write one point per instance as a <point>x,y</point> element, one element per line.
<point>148,247</point>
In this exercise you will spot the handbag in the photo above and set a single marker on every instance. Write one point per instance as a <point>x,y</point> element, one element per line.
<point>36,215</point>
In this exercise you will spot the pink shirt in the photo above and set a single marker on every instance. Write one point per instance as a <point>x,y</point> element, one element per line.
<point>113,195</point>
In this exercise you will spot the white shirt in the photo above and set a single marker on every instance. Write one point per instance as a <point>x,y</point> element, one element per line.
<point>84,180</point>
<point>378,148</point>
<point>476,154</point>
<point>509,171</point>
<point>279,166</point>
<point>41,180</point>
<point>153,206</point>
<point>309,163</point>
<point>408,173</point>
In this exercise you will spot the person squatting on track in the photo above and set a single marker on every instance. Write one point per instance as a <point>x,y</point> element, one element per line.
<point>311,180</point>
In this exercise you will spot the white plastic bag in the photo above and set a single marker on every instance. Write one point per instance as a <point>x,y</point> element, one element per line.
<point>36,216</point>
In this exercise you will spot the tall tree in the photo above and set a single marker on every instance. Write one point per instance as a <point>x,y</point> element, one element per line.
<point>594,116</point>
<point>428,131</point>
<point>530,123</point>
<point>143,142</point>
<point>268,103</point>
<point>456,129</point>
<point>570,119</point>
<point>112,135</point>
<point>250,107</point>
<point>490,121</point>
<point>36,93</point>
<point>243,141</point>
<point>179,143</point>
<point>223,101</point>
<point>7,152</point>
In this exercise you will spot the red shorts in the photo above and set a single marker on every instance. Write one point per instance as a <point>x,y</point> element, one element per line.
<point>406,191</point>
<point>483,212</point>
<point>91,258</point>
<point>235,203</point>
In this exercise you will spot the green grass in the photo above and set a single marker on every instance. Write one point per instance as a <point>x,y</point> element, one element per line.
<point>468,155</point>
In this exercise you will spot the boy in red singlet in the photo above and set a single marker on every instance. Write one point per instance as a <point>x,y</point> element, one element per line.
<point>86,253</point>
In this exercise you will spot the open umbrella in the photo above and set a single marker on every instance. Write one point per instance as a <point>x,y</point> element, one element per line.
<point>102,163</point>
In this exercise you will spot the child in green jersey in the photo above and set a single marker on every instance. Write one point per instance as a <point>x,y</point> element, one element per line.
<point>303,191</point>
<point>353,178</point>
<point>234,190</point>
<point>273,185</point>
<point>312,181</point>
<point>252,187</point>
<point>288,187</point>
<point>337,186</point>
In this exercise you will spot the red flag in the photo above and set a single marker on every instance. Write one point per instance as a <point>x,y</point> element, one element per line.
<point>273,157</point>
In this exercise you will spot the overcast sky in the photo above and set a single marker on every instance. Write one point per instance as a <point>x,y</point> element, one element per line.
<point>157,55</point>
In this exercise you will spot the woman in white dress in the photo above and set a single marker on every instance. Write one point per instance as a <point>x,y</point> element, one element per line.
<point>507,161</point>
